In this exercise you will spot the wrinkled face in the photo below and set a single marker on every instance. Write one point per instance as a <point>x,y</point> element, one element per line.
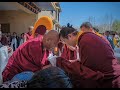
<point>50,44</point>
<point>71,40</point>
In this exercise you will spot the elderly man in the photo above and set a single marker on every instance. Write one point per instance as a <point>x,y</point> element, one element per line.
<point>31,55</point>
<point>98,66</point>
<point>28,35</point>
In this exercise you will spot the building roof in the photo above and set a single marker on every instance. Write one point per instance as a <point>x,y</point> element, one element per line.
<point>31,6</point>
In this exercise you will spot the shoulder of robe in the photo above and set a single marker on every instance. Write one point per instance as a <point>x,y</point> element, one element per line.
<point>81,36</point>
<point>31,44</point>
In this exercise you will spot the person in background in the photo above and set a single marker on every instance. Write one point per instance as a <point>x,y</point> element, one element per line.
<point>4,44</point>
<point>5,53</point>
<point>9,38</point>
<point>96,30</point>
<point>28,35</point>
<point>116,40</point>
<point>21,39</point>
<point>14,41</point>
<point>107,35</point>
<point>0,37</point>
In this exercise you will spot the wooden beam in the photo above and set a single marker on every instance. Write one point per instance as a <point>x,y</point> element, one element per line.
<point>31,6</point>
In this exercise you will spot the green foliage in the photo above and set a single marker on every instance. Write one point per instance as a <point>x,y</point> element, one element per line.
<point>116,26</point>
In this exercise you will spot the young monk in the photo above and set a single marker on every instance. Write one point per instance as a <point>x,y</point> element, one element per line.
<point>31,55</point>
<point>98,66</point>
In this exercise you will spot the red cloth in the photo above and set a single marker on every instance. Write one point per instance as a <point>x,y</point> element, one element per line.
<point>30,56</point>
<point>28,36</point>
<point>98,66</point>
<point>60,46</point>
<point>68,54</point>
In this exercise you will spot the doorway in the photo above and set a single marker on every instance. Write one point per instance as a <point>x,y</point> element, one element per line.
<point>5,28</point>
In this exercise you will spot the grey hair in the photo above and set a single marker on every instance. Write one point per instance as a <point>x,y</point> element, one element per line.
<point>86,24</point>
<point>31,27</point>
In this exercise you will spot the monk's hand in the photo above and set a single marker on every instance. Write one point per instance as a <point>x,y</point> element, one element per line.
<point>52,59</point>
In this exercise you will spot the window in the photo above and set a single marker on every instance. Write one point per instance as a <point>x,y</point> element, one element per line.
<point>5,28</point>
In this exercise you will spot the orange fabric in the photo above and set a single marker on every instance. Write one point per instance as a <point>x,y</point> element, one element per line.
<point>79,33</point>
<point>46,21</point>
<point>98,34</point>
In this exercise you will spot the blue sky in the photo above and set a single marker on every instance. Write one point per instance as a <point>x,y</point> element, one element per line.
<point>78,12</point>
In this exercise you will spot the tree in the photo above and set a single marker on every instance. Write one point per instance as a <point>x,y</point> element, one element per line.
<point>116,25</point>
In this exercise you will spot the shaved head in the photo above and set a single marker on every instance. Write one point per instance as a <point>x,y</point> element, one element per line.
<point>52,34</point>
<point>51,39</point>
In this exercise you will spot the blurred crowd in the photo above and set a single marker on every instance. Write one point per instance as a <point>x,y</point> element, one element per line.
<point>14,40</point>
<point>63,49</point>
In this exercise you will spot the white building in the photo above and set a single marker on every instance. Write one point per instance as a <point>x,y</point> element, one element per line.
<point>18,16</point>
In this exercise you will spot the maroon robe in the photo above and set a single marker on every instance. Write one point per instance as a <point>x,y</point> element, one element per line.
<point>98,66</point>
<point>28,36</point>
<point>30,56</point>
<point>68,54</point>
<point>60,46</point>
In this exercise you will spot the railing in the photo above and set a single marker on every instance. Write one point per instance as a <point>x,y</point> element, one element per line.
<point>31,6</point>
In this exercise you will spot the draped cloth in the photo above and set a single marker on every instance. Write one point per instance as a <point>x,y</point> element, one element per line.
<point>68,54</point>
<point>98,67</point>
<point>30,56</point>
<point>3,60</point>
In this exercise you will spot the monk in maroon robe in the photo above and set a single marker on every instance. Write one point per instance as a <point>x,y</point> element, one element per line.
<point>98,67</point>
<point>28,35</point>
<point>31,56</point>
<point>68,54</point>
